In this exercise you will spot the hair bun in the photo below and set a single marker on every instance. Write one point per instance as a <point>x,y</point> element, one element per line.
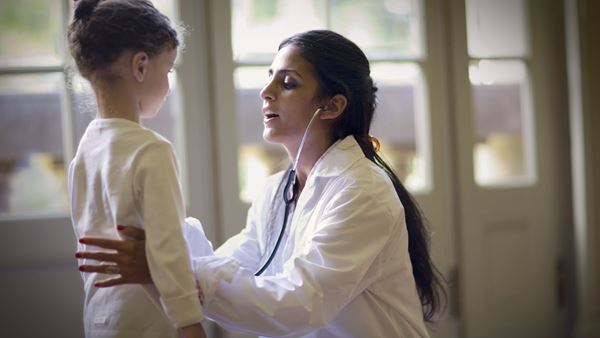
<point>84,8</point>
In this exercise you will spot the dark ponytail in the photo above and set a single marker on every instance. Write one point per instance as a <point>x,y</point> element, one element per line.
<point>342,68</point>
<point>427,278</point>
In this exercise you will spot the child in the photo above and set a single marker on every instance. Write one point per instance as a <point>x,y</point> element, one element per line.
<point>126,174</point>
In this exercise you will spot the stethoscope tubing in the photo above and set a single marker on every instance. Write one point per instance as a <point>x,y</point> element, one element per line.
<point>289,195</point>
<point>288,204</point>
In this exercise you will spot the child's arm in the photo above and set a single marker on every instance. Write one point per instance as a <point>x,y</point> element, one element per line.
<point>193,331</point>
<point>160,202</point>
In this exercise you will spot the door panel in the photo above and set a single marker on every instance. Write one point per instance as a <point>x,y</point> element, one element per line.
<point>509,245</point>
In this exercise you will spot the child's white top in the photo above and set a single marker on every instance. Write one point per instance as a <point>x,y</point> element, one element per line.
<point>128,175</point>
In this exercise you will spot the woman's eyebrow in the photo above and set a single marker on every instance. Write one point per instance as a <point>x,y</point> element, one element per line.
<point>285,71</point>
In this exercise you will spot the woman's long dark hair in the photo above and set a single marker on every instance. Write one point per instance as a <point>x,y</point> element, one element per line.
<point>342,68</point>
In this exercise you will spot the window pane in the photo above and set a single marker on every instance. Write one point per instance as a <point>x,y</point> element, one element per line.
<point>257,158</point>
<point>248,83</point>
<point>496,28</point>
<point>168,8</point>
<point>258,26</point>
<point>32,169</point>
<point>31,32</point>
<point>383,28</point>
<point>256,163</point>
<point>501,104</point>
<point>400,122</point>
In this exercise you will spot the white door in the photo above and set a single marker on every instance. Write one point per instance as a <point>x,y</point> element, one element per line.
<point>513,179</point>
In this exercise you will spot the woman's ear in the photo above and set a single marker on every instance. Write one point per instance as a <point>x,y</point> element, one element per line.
<point>334,108</point>
<point>139,64</point>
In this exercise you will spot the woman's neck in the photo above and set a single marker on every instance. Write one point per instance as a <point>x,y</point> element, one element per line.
<point>314,148</point>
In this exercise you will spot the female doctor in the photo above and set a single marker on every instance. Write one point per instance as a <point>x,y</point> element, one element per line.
<point>333,247</point>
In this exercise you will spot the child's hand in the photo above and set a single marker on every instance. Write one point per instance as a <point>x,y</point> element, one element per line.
<point>193,331</point>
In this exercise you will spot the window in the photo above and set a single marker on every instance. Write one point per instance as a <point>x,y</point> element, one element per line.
<point>45,106</point>
<point>500,89</point>
<point>390,32</point>
<point>32,102</point>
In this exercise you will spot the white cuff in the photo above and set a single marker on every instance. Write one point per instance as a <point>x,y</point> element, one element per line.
<point>183,310</point>
<point>210,270</point>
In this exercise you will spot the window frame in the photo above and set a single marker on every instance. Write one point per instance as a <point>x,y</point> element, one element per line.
<point>67,121</point>
<point>423,128</point>
<point>528,132</point>
<point>68,71</point>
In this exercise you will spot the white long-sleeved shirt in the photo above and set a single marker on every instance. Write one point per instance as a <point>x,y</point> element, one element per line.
<point>343,269</point>
<point>126,174</point>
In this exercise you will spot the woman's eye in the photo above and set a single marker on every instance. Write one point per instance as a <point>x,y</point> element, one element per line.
<point>288,83</point>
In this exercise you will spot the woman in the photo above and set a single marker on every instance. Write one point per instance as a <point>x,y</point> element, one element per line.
<point>353,260</point>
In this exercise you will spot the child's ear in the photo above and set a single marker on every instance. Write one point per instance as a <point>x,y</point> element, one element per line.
<point>334,108</point>
<point>139,63</point>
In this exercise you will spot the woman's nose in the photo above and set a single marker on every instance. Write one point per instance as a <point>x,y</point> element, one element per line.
<point>267,93</point>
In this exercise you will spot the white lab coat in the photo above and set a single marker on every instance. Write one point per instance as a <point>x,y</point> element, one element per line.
<point>343,269</point>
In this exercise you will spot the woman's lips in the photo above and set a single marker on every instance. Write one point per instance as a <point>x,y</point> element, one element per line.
<point>270,116</point>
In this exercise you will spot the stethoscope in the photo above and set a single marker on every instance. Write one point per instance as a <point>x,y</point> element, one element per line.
<point>289,195</point>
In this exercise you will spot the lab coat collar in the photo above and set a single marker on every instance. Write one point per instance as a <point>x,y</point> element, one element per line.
<point>339,157</point>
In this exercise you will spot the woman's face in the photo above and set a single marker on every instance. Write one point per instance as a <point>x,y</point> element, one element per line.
<point>289,98</point>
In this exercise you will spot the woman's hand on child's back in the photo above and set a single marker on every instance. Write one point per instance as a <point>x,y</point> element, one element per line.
<point>126,260</point>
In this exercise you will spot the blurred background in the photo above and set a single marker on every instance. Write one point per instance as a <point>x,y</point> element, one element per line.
<point>486,110</point>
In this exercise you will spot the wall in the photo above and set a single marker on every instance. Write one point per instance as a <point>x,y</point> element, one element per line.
<point>592,32</point>
<point>583,17</point>
<point>40,287</point>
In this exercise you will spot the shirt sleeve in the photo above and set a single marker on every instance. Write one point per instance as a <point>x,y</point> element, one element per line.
<point>330,270</point>
<point>197,243</point>
<point>161,206</point>
<point>73,204</point>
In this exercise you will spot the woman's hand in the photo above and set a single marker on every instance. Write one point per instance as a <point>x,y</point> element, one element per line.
<point>127,261</point>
